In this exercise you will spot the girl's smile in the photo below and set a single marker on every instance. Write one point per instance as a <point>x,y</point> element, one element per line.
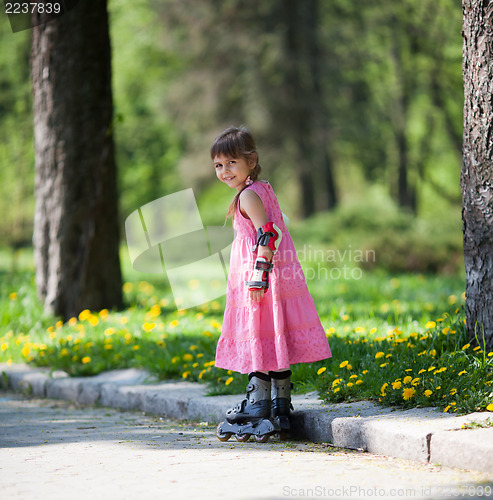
<point>233,171</point>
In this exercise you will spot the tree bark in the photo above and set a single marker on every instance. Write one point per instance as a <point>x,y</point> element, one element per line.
<point>477,168</point>
<point>76,232</point>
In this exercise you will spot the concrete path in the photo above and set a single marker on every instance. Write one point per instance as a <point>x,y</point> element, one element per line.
<point>56,449</point>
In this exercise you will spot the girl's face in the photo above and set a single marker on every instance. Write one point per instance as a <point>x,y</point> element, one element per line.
<point>233,171</point>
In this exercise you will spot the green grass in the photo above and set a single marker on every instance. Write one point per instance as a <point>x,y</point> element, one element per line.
<point>398,339</point>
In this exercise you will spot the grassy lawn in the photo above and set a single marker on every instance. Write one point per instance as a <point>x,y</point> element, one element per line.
<point>397,339</point>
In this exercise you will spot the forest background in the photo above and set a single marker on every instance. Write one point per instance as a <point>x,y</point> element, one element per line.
<point>356,109</point>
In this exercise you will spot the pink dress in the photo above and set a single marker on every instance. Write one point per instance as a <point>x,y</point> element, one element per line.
<point>283,328</point>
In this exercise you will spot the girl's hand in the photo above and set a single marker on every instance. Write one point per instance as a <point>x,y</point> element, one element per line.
<point>256,295</point>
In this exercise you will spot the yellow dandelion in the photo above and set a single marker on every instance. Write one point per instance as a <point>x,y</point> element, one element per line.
<point>84,314</point>
<point>321,370</point>
<point>453,391</point>
<point>229,380</point>
<point>383,365</point>
<point>430,324</point>
<point>337,381</point>
<point>383,389</point>
<point>397,384</point>
<point>148,327</point>
<point>421,371</point>
<point>186,374</point>
<point>13,296</point>
<point>365,372</point>
<point>187,357</point>
<point>446,409</point>
<point>26,350</point>
<point>209,363</point>
<point>353,376</point>
<point>466,347</point>
<point>350,384</point>
<point>343,364</point>
<point>175,359</point>
<point>490,407</point>
<point>135,347</point>
<point>5,346</point>
<point>379,355</point>
<point>86,359</point>
<point>415,381</point>
<point>440,370</point>
<point>407,379</point>
<point>431,368</point>
<point>373,330</point>
<point>174,323</point>
<point>337,389</point>
<point>462,373</point>
<point>428,393</point>
<point>408,393</point>
<point>359,382</point>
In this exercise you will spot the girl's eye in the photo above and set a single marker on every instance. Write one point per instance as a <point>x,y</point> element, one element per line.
<point>232,161</point>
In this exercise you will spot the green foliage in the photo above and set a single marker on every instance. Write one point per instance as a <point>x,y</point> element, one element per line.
<point>16,146</point>
<point>394,240</point>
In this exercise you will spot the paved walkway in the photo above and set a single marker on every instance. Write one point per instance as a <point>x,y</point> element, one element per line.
<point>58,450</point>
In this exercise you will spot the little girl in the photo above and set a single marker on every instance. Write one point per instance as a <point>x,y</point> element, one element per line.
<point>270,321</point>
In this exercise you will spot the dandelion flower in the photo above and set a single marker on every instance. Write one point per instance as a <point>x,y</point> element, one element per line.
<point>430,324</point>
<point>397,384</point>
<point>350,384</point>
<point>13,296</point>
<point>490,407</point>
<point>337,389</point>
<point>446,409</point>
<point>466,347</point>
<point>408,393</point>
<point>428,393</point>
<point>321,370</point>
<point>148,327</point>
<point>337,381</point>
<point>379,355</point>
<point>86,359</point>
<point>358,382</point>
<point>462,373</point>
<point>187,357</point>
<point>383,388</point>
<point>229,380</point>
<point>407,379</point>
<point>343,364</point>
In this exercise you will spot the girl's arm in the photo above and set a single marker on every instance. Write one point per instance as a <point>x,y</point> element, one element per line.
<point>251,206</point>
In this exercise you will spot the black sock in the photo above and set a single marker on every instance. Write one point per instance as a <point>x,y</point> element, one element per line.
<point>280,375</point>
<point>261,376</point>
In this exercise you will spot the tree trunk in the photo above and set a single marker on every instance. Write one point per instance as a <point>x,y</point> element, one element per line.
<point>477,168</point>
<point>76,234</point>
<point>298,112</point>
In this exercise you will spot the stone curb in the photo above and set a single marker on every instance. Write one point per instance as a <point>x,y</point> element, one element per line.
<point>425,435</point>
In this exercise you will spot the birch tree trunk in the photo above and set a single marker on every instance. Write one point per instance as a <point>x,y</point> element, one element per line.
<point>76,233</point>
<point>477,167</point>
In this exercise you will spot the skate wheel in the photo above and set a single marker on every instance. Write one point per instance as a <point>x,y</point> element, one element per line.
<point>222,436</point>
<point>262,439</point>
<point>242,438</point>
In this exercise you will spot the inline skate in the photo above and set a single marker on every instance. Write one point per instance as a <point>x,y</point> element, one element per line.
<point>250,416</point>
<point>281,402</point>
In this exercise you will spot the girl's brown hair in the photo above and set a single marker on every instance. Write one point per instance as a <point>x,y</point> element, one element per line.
<point>237,142</point>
